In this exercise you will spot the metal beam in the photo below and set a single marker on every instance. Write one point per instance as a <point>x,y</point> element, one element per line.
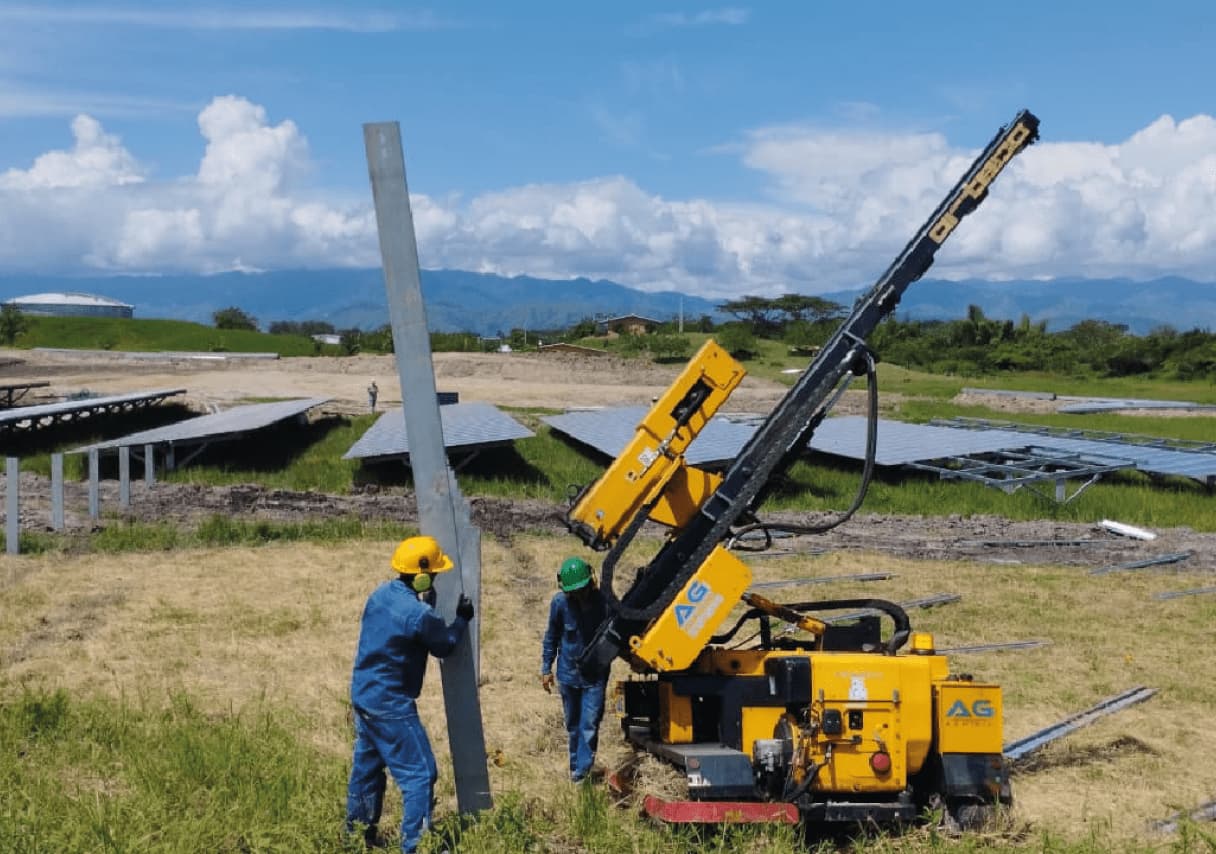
<point>1159,560</point>
<point>994,647</point>
<point>822,579</point>
<point>1177,594</point>
<point>1024,746</point>
<point>442,510</point>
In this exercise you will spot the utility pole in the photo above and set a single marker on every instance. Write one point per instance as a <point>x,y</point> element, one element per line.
<point>442,510</point>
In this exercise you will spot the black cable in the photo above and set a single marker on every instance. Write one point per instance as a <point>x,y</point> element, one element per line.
<point>867,472</point>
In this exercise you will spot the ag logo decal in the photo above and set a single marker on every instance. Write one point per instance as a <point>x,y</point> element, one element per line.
<point>702,604</point>
<point>978,709</point>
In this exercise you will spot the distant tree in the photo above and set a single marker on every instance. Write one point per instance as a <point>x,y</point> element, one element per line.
<point>798,307</point>
<point>737,340</point>
<point>350,341</point>
<point>379,340</point>
<point>668,346</point>
<point>585,328</point>
<point>234,318</point>
<point>12,324</point>
<point>758,312</point>
<point>704,323</point>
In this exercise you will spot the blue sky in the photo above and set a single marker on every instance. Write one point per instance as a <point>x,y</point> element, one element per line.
<point>716,148</point>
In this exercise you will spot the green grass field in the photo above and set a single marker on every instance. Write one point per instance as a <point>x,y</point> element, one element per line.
<point>197,702</point>
<point>148,335</point>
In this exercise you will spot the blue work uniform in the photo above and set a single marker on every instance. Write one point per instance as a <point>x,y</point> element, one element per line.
<point>571,627</point>
<point>396,636</point>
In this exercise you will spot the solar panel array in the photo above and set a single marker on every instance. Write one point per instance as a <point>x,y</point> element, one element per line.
<point>464,425</point>
<point>899,443</point>
<point>26,417</point>
<point>229,424</point>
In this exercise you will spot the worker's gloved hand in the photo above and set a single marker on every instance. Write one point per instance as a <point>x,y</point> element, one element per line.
<point>464,608</point>
<point>546,682</point>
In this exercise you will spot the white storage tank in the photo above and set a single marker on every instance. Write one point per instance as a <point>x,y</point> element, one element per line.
<point>71,305</point>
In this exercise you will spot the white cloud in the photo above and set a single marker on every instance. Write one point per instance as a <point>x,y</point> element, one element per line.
<point>97,160</point>
<point>842,204</point>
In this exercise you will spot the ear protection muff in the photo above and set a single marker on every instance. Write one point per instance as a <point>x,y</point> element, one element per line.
<point>421,582</point>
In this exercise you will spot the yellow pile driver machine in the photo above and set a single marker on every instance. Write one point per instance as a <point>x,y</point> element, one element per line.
<point>815,721</point>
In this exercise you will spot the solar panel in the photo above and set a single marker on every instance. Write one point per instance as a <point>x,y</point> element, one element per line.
<point>900,443</point>
<point>32,417</point>
<point>230,423</point>
<point>465,425</point>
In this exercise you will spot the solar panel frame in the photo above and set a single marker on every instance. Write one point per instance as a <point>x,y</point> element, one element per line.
<point>11,419</point>
<point>225,425</point>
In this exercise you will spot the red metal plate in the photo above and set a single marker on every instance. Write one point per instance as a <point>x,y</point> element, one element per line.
<point>719,812</point>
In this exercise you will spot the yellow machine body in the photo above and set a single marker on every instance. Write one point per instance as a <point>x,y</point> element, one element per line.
<point>895,703</point>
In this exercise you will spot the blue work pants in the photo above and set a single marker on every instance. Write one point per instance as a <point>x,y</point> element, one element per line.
<point>583,706</point>
<point>399,744</point>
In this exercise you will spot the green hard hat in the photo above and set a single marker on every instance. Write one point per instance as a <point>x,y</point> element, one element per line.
<point>574,574</point>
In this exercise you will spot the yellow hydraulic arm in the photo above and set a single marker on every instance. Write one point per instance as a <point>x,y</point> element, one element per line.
<point>650,473</point>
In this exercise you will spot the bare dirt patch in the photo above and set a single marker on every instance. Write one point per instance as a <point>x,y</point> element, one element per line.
<point>557,380</point>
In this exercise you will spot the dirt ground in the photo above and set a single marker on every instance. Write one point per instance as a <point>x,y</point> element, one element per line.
<point>558,380</point>
<point>551,380</point>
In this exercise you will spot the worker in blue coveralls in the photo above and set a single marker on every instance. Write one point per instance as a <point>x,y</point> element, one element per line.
<point>398,632</point>
<point>575,612</point>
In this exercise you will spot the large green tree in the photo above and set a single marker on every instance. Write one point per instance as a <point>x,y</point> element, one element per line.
<point>234,318</point>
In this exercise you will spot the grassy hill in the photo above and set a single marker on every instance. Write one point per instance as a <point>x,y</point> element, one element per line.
<point>142,336</point>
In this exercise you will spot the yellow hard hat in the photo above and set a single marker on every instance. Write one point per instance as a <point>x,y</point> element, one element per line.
<point>420,554</point>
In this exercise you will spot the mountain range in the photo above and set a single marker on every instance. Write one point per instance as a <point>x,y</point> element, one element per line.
<point>488,304</point>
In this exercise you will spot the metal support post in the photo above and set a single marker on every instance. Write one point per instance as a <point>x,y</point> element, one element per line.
<point>149,464</point>
<point>12,529</point>
<point>442,510</point>
<point>94,477</point>
<point>57,492</point>
<point>124,477</point>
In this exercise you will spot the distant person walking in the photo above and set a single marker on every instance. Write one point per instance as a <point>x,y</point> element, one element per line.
<point>575,613</point>
<point>373,391</point>
<point>397,634</point>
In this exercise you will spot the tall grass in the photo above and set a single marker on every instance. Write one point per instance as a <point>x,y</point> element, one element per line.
<point>98,775</point>
<point>123,776</point>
